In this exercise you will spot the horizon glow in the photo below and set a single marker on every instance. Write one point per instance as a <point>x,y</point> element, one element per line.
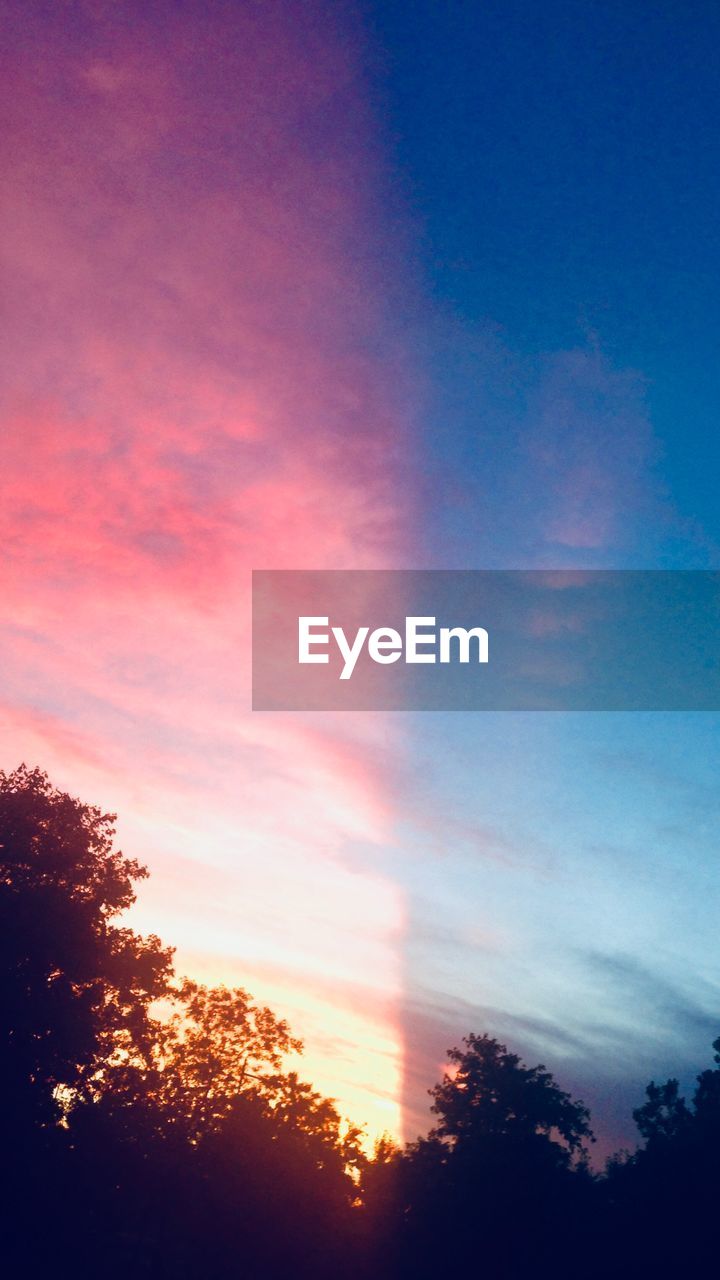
<point>336,287</point>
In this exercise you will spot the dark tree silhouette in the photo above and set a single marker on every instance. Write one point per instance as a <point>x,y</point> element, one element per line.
<point>150,1125</point>
<point>507,1149</point>
<point>217,1046</point>
<point>661,1203</point>
<point>76,989</point>
<point>154,1127</point>
<point>665,1117</point>
<point>706,1100</point>
<point>490,1094</point>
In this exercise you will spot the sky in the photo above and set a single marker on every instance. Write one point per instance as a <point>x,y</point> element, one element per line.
<point>370,286</point>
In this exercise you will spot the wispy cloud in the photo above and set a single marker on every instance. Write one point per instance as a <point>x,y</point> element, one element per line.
<point>195,385</point>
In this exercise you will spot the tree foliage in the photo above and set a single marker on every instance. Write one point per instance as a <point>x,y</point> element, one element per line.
<point>490,1094</point>
<point>76,986</point>
<point>131,1087</point>
<point>154,1126</point>
<point>217,1045</point>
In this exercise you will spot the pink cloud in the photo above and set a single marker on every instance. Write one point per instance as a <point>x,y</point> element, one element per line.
<point>190,239</point>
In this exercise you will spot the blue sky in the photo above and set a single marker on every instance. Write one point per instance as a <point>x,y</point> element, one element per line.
<point>562,163</point>
<point>562,166</point>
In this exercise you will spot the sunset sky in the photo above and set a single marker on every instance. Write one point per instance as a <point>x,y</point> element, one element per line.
<point>369,286</point>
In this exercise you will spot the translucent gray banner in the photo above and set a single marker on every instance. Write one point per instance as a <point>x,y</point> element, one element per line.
<point>495,640</point>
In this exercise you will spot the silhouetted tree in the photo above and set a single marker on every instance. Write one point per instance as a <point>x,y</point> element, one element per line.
<point>217,1045</point>
<point>155,1127</point>
<point>150,1125</point>
<point>76,989</point>
<point>489,1094</point>
<point>661,1202</point>
<point>665,1117</point>
<point>706,1100</point>
<point>501,1157</point>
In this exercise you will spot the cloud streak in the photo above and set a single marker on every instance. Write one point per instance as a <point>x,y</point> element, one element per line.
<point>195,385</point>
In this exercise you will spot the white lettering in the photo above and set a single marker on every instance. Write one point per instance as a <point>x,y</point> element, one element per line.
<point>385,645</point>
<point>463,638</point>
<point>305,639</point>
<point>413,638</point>
<point>350,654</point>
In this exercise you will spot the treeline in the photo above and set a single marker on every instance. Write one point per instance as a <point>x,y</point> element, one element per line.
<point>152,1128</point>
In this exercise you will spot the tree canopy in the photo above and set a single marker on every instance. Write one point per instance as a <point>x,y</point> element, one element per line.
<point>76,987</point>
<point>154,1126</point>
<point>489,1094</point>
